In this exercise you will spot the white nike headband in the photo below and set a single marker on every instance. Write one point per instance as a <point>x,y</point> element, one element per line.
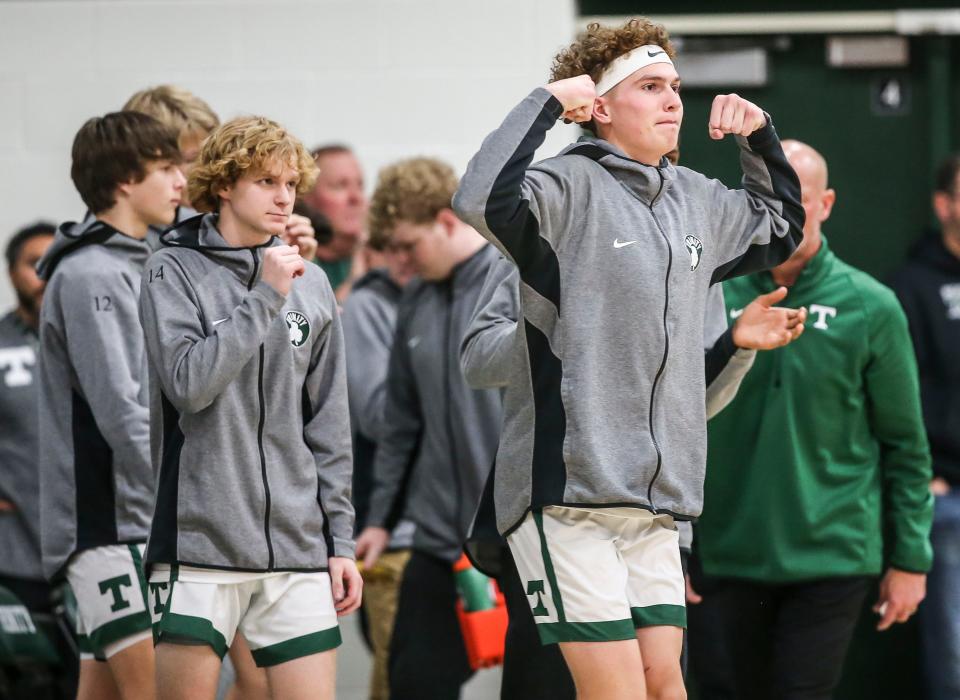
<point>623,66</point>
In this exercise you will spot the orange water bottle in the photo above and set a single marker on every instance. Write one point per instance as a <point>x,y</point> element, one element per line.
<point>482,612</point>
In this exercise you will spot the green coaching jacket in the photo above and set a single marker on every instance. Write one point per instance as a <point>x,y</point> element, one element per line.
<point>820,466</point>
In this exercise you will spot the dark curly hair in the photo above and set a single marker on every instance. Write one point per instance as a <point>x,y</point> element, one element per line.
<point>598,46</point>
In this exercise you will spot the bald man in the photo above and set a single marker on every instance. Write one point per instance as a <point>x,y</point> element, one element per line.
<point>817,479</point>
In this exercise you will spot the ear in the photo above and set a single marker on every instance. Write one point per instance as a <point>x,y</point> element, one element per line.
<point>448,220</point>
<point>123,190</point>
<point>225,192</point>
<point>601,111</point>
<point>829,198</point>
<point>941,206</point>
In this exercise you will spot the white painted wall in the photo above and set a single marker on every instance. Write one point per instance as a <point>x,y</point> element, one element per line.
<point>393,78</point>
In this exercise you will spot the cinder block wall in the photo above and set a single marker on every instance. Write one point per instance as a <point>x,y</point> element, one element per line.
<point>393,78</point>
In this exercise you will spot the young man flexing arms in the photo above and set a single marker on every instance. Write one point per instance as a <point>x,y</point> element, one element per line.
<point>253,525</point>
<point>96,482</point>
<point>604,441</point>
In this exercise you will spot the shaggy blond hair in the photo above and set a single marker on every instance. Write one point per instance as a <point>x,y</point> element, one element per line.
<point>177,108</point>
<point>413,191</point>
<point>598,46</point>
<point>242,145</point>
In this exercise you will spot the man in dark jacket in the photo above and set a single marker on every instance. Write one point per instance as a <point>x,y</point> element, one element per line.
<point>830,489</point>
<point>928,286</point>
<point>439,435</point>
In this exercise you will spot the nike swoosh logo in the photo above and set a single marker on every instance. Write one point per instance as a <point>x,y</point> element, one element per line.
<point>735,313</point>
<point>655,53</point>
<point>617,243</point>
<point>217,323</point>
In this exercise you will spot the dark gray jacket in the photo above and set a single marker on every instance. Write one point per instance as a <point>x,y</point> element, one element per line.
<point>249,406</point>
<point>19,475</point>
<point>616,258</point>
<point>96,482</point>
<point>439,435</point>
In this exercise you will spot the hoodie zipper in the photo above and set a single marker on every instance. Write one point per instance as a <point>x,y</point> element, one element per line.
<point>263,415</point>
<point>666,345</point>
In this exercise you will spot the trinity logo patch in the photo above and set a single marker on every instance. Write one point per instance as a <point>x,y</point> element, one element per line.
<point>14,363</point>
<point>695,248</point>
<point>299,328</point>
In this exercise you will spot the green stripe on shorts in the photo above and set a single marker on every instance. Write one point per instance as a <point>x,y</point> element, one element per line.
<point>85,646</point>
<point>298,647</point>
<point>174,628</point>
<point>116,630</point>
<point>657,615</point>
<point>609,631</point>
<point>548,565</point>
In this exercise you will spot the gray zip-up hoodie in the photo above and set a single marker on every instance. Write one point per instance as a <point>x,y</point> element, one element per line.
<point>439,435</point>
<point>96,483</point>
<point>490,346</point>
<point>616,258</point>
<point>19,477</point>
<point>249,405</point>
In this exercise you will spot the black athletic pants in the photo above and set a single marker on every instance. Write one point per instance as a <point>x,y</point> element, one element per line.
<point>427,657</point>
<point>754,641</point>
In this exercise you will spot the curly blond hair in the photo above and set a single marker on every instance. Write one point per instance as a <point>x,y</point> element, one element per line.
<point>413,191</point>
<point>598,46</point>
<point>241,145</point>
<point>177,108</point>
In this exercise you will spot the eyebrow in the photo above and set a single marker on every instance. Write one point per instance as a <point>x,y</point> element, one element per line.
<point>659,79</point>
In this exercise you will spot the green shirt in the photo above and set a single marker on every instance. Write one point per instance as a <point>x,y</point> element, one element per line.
<point>820,466</point>
<point>337,270</point>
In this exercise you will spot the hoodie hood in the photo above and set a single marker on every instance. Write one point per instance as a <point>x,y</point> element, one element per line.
<point>642,180</point>
<point>200,233</point>
<point>931,252</point>
<point>71,236</point>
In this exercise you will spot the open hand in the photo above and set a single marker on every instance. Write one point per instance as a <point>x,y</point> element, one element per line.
<point>346,584</point>
<point>731,114</point>
<point>763,326</point>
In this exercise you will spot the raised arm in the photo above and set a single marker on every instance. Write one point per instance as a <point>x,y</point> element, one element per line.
<point>499,197</point>
<point>759,226</point>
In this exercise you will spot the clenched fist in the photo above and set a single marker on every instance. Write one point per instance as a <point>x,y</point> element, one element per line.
<point>281,263</point>
<point>577,96</point>
<point>731,114</point>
